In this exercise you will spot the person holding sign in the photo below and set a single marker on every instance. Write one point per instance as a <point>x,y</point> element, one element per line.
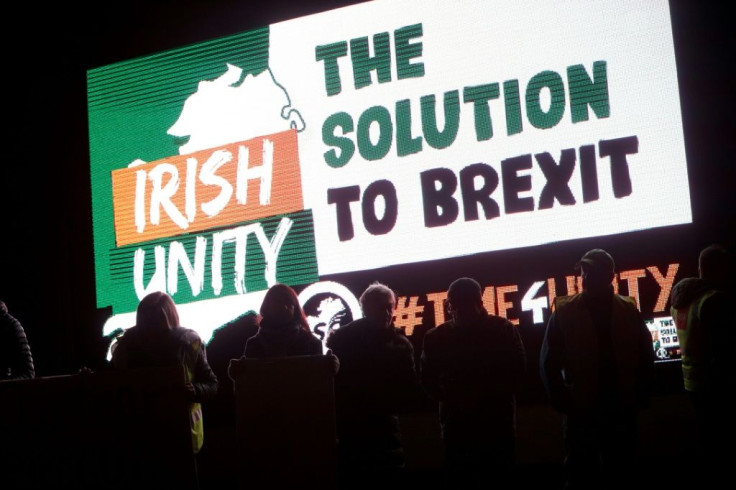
<point>157,340</point>
<point>597,366</point>
<point>472,365</point>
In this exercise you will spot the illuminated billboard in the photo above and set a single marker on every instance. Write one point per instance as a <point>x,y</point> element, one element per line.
<point>339,148</point>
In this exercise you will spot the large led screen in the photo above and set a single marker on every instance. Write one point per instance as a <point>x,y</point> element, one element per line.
<point>386,140</point>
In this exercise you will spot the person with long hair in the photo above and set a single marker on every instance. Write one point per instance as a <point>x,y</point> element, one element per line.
<point>284,330</point>
<point>158,340</point>
<point>282,365</point>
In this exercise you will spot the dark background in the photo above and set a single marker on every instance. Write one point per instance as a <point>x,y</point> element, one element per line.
<point>46,254</point>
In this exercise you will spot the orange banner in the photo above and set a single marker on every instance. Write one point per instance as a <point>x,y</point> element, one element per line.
<point>211,188</point>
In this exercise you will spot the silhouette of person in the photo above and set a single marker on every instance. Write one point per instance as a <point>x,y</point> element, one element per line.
<point>702,310</point>
<point>284,330</point>
<point>472,365</point>
<point>220,463</point>
<point>227,343</point>
<point>16,360</point>
<point>158,340</point>
<point>283,365</point>
<point>377,379</point>
<point>597,366</point>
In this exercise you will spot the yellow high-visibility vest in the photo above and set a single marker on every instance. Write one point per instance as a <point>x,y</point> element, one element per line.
<point>693,340</point>
<point>581,346</point>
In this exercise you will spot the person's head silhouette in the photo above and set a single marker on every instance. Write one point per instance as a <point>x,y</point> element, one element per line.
<point>157,315</point>
<point>597,269</point>
<point>378,302</point>
<point>465,299</point>
<point>281,307</point>
<point>714,265</point>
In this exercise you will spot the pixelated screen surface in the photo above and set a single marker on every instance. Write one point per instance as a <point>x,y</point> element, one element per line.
<point>387,141</point>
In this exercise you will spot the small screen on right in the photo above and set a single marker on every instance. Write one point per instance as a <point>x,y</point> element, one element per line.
<point>666,345</point>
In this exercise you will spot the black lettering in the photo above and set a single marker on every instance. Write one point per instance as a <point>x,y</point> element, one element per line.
<point>472,196</point>
<point>440,208</point>
<point>513,184</point>
<point>589,173</point>
<point>617,149</point>
<point>557,175</point>
<point>342,197</point>
<point>372,223</point>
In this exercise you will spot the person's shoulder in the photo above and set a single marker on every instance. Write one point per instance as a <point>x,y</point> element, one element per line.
<point>254,339</point>
<point>308,336</point>
<point>130,334</point>
<point>9,322</point>
<point>5,316</point>
<point>498,321</point>
<point>717,300</point>
<point>129,340</point>
<point>627,301</point>
<point>355,324</point>
<point>439,331</point>
<point>233,332</point>
<point>686,290</point>
<point>499,329</point>
<point>220,336</point>
<point>399,337</point>
<point>630,308</point>
<point>562,301</point>
<point>347,331</point>
<point>253,345</point>
<point>188,332</point>
<point>718,294</point>
<point>189,336</point>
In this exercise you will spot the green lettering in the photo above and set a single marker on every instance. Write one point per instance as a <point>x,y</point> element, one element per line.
<point>512,102</point>
<point>405,144</point>
<point>366,148</point>
<point>346,146</point>
<point>584,92</point>
<point>329,53</point>
<point>535,114</point>
<point>363,64</point>
<point>436,138</point>
<point>479,95</point>
<point>406,51</point>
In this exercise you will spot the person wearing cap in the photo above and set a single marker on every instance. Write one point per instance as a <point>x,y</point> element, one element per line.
<point>597,367</point>
<point>472,365</point>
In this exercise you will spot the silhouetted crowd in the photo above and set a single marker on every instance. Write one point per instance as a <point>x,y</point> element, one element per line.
<point>596,365</point>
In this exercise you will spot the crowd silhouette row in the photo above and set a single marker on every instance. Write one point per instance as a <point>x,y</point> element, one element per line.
<point>596,364</point>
